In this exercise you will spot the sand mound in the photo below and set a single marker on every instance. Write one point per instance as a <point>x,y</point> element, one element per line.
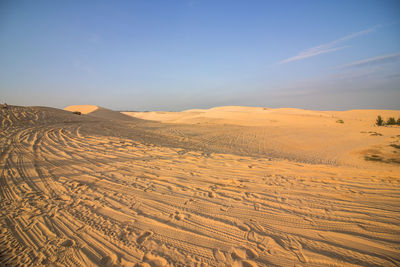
<point>25,116</point>
<point>84,109</point>
<point>99,112</point>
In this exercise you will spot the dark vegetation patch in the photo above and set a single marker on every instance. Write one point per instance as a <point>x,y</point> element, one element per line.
<point>393,160</point>
<point>373,133</point>
<point>373,158</point>
<point>395,146</point>
<point>390,121</point>
<point>378,158</point>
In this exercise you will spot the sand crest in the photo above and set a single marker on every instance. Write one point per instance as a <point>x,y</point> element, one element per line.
<point>84,109</point>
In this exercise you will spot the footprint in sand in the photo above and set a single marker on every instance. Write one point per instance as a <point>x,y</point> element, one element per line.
<point>188,201</point>
<point>238,254</point>
<point>211,194</point>
<point>68,243</point>
<point>242,226</point>
<point>108,260</point>
<point>150,259</point>
<point>251,253</point>
<point>248,263</point>
<point>144,237</point>
<point>179,216</point>
<point>245,256</point>
<point>219,256</point>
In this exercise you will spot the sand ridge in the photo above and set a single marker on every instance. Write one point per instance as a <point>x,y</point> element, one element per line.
<point>100,112</point>
<point>79,190</point>
<point>259,116</point>
<point>84,109</point>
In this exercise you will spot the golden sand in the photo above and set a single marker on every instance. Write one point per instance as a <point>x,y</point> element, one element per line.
<point>228,186</point>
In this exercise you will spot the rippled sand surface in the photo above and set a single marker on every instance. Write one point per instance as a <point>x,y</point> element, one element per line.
<point>230,186</point>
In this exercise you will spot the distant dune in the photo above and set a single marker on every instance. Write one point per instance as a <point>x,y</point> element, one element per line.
<point>84,109</point>
<point>292,133</point>
<point>100,112</point>
<point>258,116</point>
<point>228,186</point>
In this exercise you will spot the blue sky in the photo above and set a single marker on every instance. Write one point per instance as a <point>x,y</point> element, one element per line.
<point>176,55</point>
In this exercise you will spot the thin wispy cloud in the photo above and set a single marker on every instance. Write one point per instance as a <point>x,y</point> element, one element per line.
<point>328,47</point>
<point>374,61</point>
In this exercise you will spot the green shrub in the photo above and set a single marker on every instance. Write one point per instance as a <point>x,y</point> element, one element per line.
<point>391,121</point>
<point>379,121</point>
<point>398,121</point>
<point>340,121</point>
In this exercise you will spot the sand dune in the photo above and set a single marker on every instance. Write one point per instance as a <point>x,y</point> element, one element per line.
<point>302,135</point>
<point>99,112</point>
<point>84,109</point>
<point>228,186</point>
<point>258,116</point>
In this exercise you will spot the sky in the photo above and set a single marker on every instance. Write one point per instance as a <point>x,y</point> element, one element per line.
<point>177,55</point>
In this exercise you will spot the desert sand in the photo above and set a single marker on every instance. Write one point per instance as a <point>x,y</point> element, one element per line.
<point>227,186</point>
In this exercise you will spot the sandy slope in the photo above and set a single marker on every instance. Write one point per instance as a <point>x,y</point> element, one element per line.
<point>100,112</point>
<point>81,190</point>
<point>302,135</point>
<point>84,109</point>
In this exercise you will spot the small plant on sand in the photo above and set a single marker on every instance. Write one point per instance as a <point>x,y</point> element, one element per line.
<point>373,158</point>
<point>391,121</point>
<point>379,121</point>
<point>339,121</point>
<point>398,121</point>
